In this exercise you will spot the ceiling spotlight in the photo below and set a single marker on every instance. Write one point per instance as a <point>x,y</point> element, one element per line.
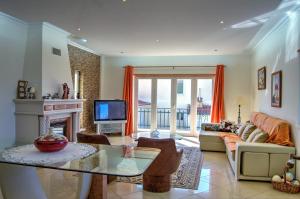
<point>157,40</point>
<point>124,0</point>
<point>221,22</point>
<point>78,29</point>
<point>290,13</point>
<point>84,40</point>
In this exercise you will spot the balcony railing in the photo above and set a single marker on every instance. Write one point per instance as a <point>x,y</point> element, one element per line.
<point>164,116</point>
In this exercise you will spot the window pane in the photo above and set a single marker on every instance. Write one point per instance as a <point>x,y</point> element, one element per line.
<point>183,105</point>
<point>180,86</point>
<point>163,103</point>
<point>204,101</point>
<point>144,103</point>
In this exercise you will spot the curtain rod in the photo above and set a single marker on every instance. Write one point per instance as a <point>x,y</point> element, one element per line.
<point>142,67</point>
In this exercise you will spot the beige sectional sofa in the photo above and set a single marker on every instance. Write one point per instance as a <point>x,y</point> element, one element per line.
<point>253,161</point>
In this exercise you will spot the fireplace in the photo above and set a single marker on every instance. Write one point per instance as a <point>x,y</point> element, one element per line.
<point>62,126</point>
<point>34,117</point>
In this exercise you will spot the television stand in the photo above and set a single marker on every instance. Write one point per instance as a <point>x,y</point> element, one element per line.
<point>107,126</point>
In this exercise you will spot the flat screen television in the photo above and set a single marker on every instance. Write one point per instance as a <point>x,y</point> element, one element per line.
<point>108,110</point>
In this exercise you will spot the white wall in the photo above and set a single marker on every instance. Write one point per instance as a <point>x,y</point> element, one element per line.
<point>237,76</point>
<point>13,34</point>
<point>279,52</point>
<point>45,71</point>
<point>56,69</point>
<point>33,58</point>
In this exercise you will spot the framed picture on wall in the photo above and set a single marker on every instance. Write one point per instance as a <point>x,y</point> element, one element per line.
<point>276,89</point>
<point>261,78</point>
<point>21,89</point>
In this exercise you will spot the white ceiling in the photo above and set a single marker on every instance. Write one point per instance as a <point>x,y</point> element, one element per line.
<point>183,27</point>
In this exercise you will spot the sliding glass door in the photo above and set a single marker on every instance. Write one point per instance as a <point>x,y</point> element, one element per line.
<point>144,103</point>
<point>183,105</point>
<point>177,105</point>
<point>204,101</point>
<point>163,109</point>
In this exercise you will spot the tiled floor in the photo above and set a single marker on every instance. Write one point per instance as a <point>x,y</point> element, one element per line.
<point>216,182</point>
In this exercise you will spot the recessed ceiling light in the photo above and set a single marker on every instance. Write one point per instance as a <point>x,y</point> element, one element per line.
<point>124,0</point>
<point>157,40</point>
<point>78,29</point>
<point>84,40</point>
<point>221,22</point>
<point>290,13</point>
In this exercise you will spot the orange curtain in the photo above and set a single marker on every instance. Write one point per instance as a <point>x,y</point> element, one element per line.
<point>218,112</point>
<point>128,97</point>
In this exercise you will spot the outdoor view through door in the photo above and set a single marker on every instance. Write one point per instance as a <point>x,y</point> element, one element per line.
<point>173,104</point>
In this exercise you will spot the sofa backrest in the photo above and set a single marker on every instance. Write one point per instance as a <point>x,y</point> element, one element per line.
<point>278,129</point>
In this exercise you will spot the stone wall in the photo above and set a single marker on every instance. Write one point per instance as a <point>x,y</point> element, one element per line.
<point>89,66</point>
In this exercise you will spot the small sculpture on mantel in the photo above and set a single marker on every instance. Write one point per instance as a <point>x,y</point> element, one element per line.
<point>66,91</point>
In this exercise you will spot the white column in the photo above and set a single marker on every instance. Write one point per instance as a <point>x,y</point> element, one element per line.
<point>194,107</point>
<point>153,104</point>
<point>44,124</point>
<point>76,125</point>
<point>173,105</point>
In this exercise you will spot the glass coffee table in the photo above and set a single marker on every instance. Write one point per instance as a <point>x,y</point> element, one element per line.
<point>161,135</point>
<point>125,161</point>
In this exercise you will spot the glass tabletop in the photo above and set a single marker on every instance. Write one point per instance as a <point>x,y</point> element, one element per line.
<point>126,161</point>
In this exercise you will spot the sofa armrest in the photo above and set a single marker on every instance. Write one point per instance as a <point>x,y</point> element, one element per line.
<point>258,148</point>
<point>263,148</point>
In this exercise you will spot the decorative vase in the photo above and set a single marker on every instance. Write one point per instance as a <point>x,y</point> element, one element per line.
<point>50,142</point>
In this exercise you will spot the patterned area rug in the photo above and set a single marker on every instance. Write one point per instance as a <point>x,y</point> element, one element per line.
<point>187,175</point>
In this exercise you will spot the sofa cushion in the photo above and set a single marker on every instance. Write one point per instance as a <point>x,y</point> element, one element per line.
<point>253,134</point>
<point>278,130</point>
<point>239,132</point>
<point>248,130</point>
<point>261,137</point>
<point>232,139</point>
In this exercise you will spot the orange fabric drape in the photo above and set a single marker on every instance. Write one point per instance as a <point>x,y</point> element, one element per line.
<point>128,97</point>
<point>218,112</point>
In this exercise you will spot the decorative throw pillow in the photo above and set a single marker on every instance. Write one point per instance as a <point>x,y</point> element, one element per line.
<point>248,130</point>
<point>241,129</point>
<point>253,134</point>
<point>261,137</point>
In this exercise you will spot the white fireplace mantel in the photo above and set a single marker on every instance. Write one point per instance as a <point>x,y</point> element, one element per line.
<point>33,117</point>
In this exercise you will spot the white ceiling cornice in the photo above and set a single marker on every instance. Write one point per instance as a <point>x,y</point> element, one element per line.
<point>77,45</point>
<point>13,19</point>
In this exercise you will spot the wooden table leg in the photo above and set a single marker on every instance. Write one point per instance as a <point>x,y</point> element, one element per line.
<point>98,187</point>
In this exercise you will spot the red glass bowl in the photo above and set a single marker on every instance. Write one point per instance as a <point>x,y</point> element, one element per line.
<point>50,146</point>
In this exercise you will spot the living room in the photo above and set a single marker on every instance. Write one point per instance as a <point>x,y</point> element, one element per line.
<point>177,66</point>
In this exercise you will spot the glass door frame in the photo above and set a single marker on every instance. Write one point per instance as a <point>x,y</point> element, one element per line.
<point>173,117</point>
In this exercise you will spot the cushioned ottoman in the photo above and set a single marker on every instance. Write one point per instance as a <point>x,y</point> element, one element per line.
<point>211,141</point>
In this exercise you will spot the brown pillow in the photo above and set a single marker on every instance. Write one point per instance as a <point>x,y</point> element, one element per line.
<point>261,137</point>
<point>253,134</point>
<point>241,129</point>
<point>248,130</point>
